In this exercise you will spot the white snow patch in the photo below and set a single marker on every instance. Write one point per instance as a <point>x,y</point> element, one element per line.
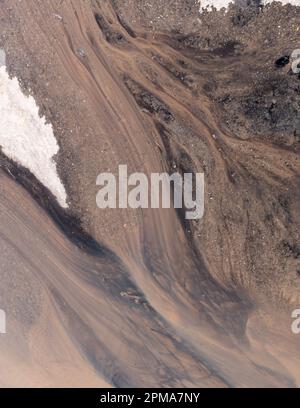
<point>26,138</point>
<point>219,4</point>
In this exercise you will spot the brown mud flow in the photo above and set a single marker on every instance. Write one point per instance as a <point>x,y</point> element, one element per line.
<point>145,298</point>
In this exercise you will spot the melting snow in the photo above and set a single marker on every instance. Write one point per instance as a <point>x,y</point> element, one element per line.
<point>25,137</point>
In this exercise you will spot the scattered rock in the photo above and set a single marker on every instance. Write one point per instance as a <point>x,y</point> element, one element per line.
<point>80,52</point>
<point>282,61</point>
<point>58,17</point>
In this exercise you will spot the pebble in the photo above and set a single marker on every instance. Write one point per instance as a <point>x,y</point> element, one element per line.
<point>58,17</point>
<point>282,61</point>
<point>80,52</point>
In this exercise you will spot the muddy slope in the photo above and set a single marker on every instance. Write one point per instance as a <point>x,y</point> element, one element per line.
<point>145,298</point>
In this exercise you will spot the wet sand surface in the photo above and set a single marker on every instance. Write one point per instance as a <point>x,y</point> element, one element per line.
<point>143,297</point>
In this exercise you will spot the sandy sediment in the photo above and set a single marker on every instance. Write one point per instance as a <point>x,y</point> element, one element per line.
<point>145,298</point>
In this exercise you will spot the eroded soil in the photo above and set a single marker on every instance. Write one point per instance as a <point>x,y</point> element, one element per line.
<point>145,298</point>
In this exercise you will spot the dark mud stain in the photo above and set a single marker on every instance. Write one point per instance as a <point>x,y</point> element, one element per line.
<point>126,26</point>
<point>274,107</point>
<point>95,350</point>
<point>269,110</point>
<point>68,223</point>
<point>147,100</point>
<point>113,37</point>
<point>281,377</point>
<point>184,77</point>
<point>291,249</point>
<point>227,50</point>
